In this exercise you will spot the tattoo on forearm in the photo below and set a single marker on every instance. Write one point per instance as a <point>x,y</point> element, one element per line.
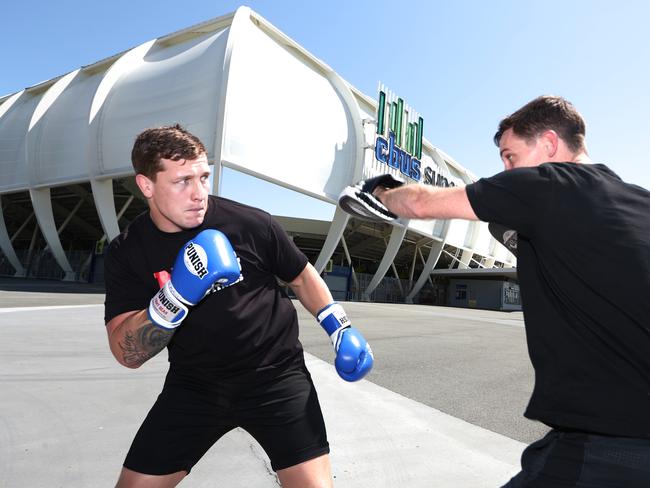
<point>144,343</point>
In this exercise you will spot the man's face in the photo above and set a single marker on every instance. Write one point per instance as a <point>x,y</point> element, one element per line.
<point>178,199</point>
<point>516,152</point>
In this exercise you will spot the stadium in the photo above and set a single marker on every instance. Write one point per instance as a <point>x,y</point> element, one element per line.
<point>263,106</point>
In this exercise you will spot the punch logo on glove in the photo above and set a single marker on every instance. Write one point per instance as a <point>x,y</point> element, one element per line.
<point>164,305</point>
<point>206,261</point>
<point>194,259</point>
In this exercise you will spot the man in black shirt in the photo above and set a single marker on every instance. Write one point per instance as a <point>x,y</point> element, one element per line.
<point>583,259</point>
<point>197,274</point>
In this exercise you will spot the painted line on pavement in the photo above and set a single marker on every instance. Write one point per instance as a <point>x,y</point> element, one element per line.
<point>52,307</point>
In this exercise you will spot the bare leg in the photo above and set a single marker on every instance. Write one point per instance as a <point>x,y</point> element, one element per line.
<point>315,473</point>
<point>133,479</point>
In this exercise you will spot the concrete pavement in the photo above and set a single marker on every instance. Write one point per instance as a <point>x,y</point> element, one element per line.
<point>69,411</point>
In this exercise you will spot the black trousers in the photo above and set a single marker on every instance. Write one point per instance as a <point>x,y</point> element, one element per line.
<point>569,459</point>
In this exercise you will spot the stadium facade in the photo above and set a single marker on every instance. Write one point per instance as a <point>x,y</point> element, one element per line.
<point>263,106</point>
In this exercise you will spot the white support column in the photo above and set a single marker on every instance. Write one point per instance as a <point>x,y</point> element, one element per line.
<point>105,205</point>
<point>436,246</point>
<point>454,257</point>
<point>349,258</point>
<point>396,238</point>
<point>8,248</point>
<point>465,259</point>
<point>432,259</point>
<point>471,238</point>
<point>334,235</point>
<point>357,138</point>
<point>42,204</point>
<point>415,256</point>
<point>67,219</point>
<point>424,262</point>
<point>103,238</point>
<point>124,207</point>
<point>399,282</point>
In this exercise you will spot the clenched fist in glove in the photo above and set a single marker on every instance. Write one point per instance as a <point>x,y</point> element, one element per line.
<point>207,261</point>
<point>354,357</point>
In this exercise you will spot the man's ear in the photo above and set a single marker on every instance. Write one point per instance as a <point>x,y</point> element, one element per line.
<point>145,185</point>
<point>551,143</point>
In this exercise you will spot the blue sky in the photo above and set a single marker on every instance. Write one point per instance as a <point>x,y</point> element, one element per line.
<point>463,65</point>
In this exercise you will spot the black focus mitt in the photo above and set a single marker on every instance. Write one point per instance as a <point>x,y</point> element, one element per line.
<point>358,200</point>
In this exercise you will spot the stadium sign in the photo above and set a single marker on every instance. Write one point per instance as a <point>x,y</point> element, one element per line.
<point>398,141</point>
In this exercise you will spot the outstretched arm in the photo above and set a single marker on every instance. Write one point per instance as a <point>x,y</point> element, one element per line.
<point>427,202</point>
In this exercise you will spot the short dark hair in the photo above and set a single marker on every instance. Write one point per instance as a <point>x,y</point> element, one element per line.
<point>547,112</point>
<point>167,142</point>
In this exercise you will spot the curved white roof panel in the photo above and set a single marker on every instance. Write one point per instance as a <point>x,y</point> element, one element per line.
<point>285,119</point>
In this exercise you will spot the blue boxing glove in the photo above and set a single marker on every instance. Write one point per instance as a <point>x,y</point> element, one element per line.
<point>207,262</point>
<point>354,357</point>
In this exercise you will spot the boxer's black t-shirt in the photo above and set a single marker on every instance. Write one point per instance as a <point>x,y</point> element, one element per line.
<point>250,325</point>
<point>583,261</point>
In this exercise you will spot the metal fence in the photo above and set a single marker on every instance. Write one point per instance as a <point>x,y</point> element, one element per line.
<point>393,290</point>
<point>41,264</point>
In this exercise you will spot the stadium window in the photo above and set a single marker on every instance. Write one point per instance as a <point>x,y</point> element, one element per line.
<point>461,292</point>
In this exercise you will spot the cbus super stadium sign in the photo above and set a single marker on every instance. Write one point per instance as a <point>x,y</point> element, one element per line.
<point>398,142</point>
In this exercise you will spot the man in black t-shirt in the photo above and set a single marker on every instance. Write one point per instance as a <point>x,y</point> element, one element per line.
<point>582,241</point>
<point>197,274</point>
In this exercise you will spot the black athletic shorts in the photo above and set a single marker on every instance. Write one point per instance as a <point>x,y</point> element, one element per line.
<point>278,407</point>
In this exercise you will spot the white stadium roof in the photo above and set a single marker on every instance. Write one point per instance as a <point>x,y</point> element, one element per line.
<point>260,102</point>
